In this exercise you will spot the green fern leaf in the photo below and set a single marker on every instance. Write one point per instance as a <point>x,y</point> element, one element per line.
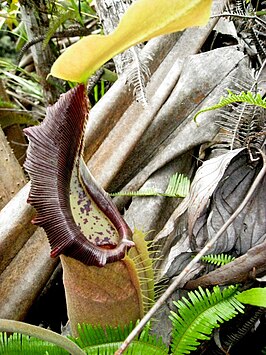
<point>198,316</point>
<point>218,259</point>
<point>143,193</point>
<point>25,345</point>
<point>247,97</point>
<point>95,340</point>
<point>178,187</point>
<point>30,339</point>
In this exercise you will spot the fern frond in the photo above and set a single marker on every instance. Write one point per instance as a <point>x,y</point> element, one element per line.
<point>242,327</point>
<point>198,316</point>
<point>95,340</point>
<point>218,259</point>
<point>138,75</point>
<point>144,193</point>
<point>25,345</point>
<point>244,126</point>
<point>39,337</point>
<point>247,97</point>
<point>178,187</point>
<point>259,44</point>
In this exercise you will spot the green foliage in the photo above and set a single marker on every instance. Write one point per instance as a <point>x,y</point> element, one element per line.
<point>247,97</point>
<point>13,34</point>
<point>198,316</point>
<point>39,338</point>
<point>7,104</point>
<point>56,22</point>
<point>81,8</point>
<point>98,91</point>
<point>32,88</point>
<point>178,187</point>
<point>9,14</point>
<point>7,46</point>
<point>10,118</point>
<point>95,340</point>
<point>218,259</point>
<point>65,14</point>
<point>22,86</point>
<point>25,345</point>
<point>14,115</point>
<point>29,84</point>
<point>254,297</point>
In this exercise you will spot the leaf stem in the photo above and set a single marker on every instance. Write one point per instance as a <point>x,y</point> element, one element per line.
<point>193,262</point>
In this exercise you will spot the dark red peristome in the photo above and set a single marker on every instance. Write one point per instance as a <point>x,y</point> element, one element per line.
<point>53,149</point>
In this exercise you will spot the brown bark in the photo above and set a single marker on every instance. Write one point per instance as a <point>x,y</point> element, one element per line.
<point>242,269</point>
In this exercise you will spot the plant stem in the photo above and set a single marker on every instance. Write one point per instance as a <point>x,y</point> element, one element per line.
<point>13,326</point>
<point>193,262</point>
